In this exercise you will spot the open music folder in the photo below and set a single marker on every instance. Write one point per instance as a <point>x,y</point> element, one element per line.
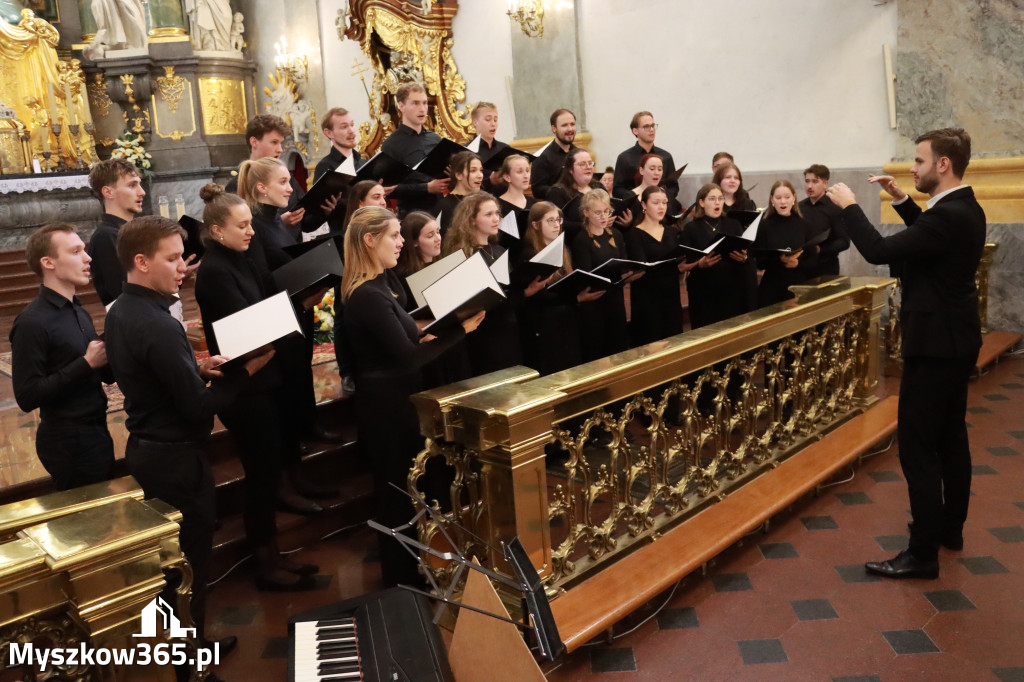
<point>469,288</point>
<point>319,267</point>
<point>251,330</point>
<point>543,265</point>
<point>423,278</point>
<point>194,244</point>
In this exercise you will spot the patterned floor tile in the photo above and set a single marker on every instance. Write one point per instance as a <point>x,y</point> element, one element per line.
<point>910,641</point>
<point>757,651</point>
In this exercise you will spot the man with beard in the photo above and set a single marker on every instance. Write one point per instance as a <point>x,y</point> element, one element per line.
<point>549,163</point>
<point>935,258</point>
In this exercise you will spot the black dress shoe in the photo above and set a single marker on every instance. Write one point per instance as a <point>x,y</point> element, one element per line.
<point>904,565</point>
<point>322,435</point>
<point>225,644</point>
<point>297,568</point>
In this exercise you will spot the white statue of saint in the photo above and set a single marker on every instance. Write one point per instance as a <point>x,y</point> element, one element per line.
<point>120,24</point>
<point>210,23</point>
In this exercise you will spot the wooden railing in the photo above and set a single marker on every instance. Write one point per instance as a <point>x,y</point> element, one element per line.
<point>585,464</point>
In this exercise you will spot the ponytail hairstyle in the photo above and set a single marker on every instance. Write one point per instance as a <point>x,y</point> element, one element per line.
<point>537,213</point>
<point>218,208</point>
<point>356,196</point>
<point>410,260</point>
<point>253,173</point>
<point>461,231</point>
<point>360,262</point>
<point>702,194</point>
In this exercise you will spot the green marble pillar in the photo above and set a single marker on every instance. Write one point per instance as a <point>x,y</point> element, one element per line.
<point>166,19</point>
<point>87,20</point>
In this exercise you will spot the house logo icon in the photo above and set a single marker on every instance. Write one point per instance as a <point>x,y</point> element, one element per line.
<point>159,611</point>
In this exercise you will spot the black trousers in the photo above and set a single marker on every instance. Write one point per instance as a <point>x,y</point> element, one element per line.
<point>934,451</point>
<point>266,432</point>
<point>179,474</point>
<point>75,453</point>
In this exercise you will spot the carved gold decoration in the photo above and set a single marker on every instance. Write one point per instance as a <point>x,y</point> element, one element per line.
<point>981,279</point>
<point>171,88</point>
<point>128,80</point>
<point>106,142</point>
<point>415,47</point>
<point>167,32</point>
<point>651,436</point>
<point>223,104</point>
<point>98,94</point>
<point>530,16</point>
<point>287,102</point>
<point>998,184</point>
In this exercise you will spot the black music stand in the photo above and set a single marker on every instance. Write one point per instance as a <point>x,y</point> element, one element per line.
<point>537,616</point>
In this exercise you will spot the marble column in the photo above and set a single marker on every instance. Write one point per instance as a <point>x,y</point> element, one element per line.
<point>87,20</point>
<point>166,19</point>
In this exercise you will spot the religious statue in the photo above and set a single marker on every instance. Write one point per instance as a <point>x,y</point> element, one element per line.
<point>287,102</point>
<point>237,29</point>
<point>120,24</point>
<point>211,22</point>
<point>41,139</point>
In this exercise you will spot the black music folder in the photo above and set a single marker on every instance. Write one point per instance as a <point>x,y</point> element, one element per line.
<point>674,176</point>
<point>194,243</point>
<point>462,293</point>
<point>494,163</point>
<point>521,215</point>
<point>435,164</point>
<point>337,237</point>
<point>543,265</point>
<point>385,169</point>
<point>251,330</point>
<point>692,255</point>
<point>578,281</point>
<point>631,204</point>
<point>728,243</point>
<point>330,184</point>
<point>744,218</point>
<point>319,267</point>
<point>617,268</point>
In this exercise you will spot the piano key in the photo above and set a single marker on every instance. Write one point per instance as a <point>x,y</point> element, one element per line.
<point>336,621</point>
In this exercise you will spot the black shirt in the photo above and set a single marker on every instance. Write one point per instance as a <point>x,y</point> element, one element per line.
<point>48,368</point>
<point>270,239</point>
<point>107,271</point>
<point>334,158</point>
<point>485,152</point>
<point>410,147</point>
<point>823,216</point>
<point>546,168</point>
<point>164,396</point>
<point>311,220</point>
<point>627,164</point>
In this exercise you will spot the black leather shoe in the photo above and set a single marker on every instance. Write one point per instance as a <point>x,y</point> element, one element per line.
<point>226,644</point>
<point>904,565</point>
<point>322,435</point>
<point>296,567</point>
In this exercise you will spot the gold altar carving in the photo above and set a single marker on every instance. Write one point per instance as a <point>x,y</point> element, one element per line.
<point>171,88</point>
<point>409,46</point>
<point>287,102</point>
<point>98,94</point>
<point>650,436</point>
<point>223,104</point>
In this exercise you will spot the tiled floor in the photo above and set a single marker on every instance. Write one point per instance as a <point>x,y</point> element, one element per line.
<point>793,604</point>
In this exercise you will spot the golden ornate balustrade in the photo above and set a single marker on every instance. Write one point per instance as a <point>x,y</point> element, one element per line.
<point>585,464</point>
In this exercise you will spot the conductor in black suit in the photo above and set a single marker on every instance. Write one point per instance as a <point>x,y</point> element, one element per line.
<point>935,258</point>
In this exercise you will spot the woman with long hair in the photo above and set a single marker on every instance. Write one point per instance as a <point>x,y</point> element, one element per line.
<point>782,235</point>
<point>475,230</point>
<point>718,287</point>
<point>262,421</point>
<point>602,322</point>
<point>467,172</point>
<point>657,310</point>
<point>730,179</point>
<point>577,179</point>
<point>387,354</point>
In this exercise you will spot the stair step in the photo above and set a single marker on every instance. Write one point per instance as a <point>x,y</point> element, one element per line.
<point>9,280</point>
<point>12,256</point>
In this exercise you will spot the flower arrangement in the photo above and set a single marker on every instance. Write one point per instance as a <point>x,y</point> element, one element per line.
<point>129,147</point>
<point>323,319</point>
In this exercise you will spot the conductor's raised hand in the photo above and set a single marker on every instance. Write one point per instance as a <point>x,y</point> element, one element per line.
<point>841,195</point>
<point>888,183</point>
<point>472,323</point>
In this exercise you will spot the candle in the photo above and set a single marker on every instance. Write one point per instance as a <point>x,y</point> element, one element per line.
<point>179,205</point>
<point>53,103</point>
<point>67,100</point>
<point>163,207</point>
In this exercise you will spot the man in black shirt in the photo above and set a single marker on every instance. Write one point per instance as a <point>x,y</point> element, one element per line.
<point>266,134</point>
<point>485,121</point>
<point>117,184</point>
<point>644,129</point>
<point>57,364</point>
<point>170,408</point>
<point>823,217</point>
<point>340,129</point>
<point>549,163</point>
<point>410,144</point>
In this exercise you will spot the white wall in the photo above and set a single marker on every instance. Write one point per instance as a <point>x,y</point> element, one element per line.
<point>482,51</point>
<point>779,84</point>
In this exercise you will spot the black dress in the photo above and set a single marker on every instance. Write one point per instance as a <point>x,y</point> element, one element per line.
<point>495,344</point>
<point>522,222</point>
<point>776,231</point>
<point>446,206</point>
<point>602,323</point>
<point>262,421</point>
<point>657,311</point>
<point>726,289</point>
<point>741,203</point>
<point>548,328</point>
<point>387,357</point>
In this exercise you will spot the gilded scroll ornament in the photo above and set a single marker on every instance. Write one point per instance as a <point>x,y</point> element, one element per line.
<point>98,94</point>
<point>286,101</point>
<point>223,104</point>
<point>171,88</point>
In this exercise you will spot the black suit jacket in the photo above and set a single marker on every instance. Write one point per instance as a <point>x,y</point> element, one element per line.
<point>936,258</point>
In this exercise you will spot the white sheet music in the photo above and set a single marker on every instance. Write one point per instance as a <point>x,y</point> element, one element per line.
<point>541,150</point>
<point>553,253</point>
<point>500,269</point>
<point>348,166</point>
<point>461,284</point>
<point>255,326</point>
<point>751,232</point>
<point>474,145</point>
<point>420,280</point>
<point>508,225</point>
